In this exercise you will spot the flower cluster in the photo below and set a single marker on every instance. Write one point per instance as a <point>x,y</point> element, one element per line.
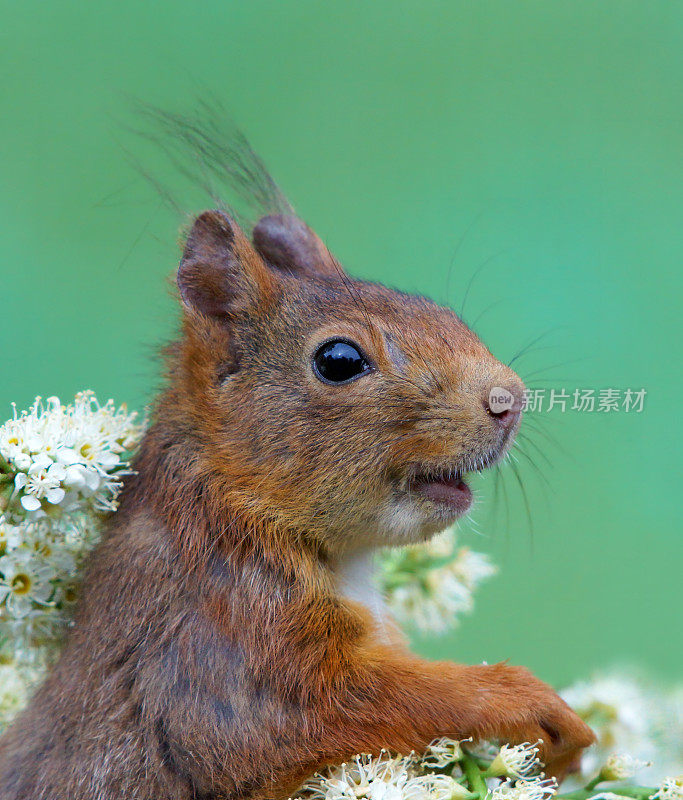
<point>61,470</point>
<point>629,715</point>
<point>452,770</point>
<point>387,777</point>
<point>16,683</point>
<point>429,586</point>
<point>61,458</point>
<point>446,771</point>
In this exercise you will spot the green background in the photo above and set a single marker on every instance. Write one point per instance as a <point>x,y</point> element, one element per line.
<point>544,137</point>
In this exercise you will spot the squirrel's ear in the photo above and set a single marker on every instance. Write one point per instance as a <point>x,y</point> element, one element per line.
<point>288,244</point>
<point>220,269</point>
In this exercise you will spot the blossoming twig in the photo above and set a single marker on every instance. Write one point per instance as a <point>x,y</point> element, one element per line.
<point>450,771</point>
<point>61,471</point>
<point>429,586</point>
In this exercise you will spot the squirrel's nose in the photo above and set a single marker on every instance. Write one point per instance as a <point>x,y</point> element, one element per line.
<point>505,418</point>
<point>505,404</point>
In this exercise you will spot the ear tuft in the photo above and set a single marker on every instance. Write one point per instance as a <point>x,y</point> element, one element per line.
<point>286,242</point>
<point>218,265</point>
<point>211,229</point>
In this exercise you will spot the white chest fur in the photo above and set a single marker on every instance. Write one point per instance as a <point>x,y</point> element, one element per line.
<point>356,582</point>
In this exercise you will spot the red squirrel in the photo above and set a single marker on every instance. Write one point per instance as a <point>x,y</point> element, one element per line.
<point>227,644</point>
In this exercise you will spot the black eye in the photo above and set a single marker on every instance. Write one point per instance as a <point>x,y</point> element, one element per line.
<point>339,362</point>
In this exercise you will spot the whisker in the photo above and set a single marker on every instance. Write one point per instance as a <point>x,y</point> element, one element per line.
<point>525,497</point>
<point>528,346</point>
<point>357,298</point>
<point>488,308</point>
<point>530,375</point>
<point>484,263</point>
<point>538,426</point>
<point>458,246</point>
<point>534,466</point>
<point>528,440</point>
<point>506,498</point>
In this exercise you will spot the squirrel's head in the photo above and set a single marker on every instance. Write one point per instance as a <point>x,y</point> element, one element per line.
<point>346,410</point>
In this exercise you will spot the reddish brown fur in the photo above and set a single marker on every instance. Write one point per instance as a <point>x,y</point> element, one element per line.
<point>214,655</point>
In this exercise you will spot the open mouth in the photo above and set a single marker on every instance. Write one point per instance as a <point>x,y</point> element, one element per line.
<point>445,486</point>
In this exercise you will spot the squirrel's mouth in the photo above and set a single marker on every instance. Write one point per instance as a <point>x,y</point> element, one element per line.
<point>448,490</point>
<point>445,485</point>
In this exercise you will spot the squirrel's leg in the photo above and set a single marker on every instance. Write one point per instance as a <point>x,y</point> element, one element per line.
<point>402,702</point>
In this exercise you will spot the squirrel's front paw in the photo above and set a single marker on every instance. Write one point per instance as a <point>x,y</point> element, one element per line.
<point>564,735</point>
<point>532,711</point>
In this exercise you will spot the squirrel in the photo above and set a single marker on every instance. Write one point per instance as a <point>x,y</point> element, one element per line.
<point>228,643</point>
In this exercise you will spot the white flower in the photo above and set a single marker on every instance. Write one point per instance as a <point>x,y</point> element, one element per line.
<point>25,580</point>
<point>442,752</point>
<point>524,790</point>
<point>429,608</point>
<point>472,568</point>
<point>516,761</point>
<point>620,766</point>
<point>42,481</point>
<point>670,789</point>
<point>429,586</point>
<point>381,778</point>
